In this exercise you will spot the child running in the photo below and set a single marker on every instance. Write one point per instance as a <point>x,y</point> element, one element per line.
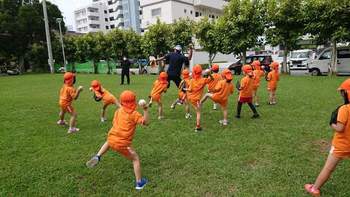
<point>120,136</point>
<point>340,122</point>
<point>195,92</point>
<point>220,94</point>
<point>258,73</point>
<point>272,78</point>
<point>67,95</point>
<point>159,87</point>
<point>246,91</point>
<point>182,97</point>
<point>102,94</point>
<point>216,78</point>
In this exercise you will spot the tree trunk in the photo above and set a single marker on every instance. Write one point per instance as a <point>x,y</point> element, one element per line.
<point>210,59</point>
<point>108,67</point>
<point>333,65</point>
<point>284,63</point>
<point>95,67</point>
<point>21,64</point>
<point>73,67</point>
<point>244,57</point>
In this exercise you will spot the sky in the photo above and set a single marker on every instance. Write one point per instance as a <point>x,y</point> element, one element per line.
<point>67,8</point>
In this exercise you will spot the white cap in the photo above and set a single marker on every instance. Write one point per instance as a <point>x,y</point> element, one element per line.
<point>178,47</point>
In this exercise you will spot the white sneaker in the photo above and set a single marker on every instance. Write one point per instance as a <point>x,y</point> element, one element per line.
<point>215,106</point>
<point>223,122</point>
<point>73,130</point>
<point>61,122</point>
<point>103,119</point>
<point>188,116</point>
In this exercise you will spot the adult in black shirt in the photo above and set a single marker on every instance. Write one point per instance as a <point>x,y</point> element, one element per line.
<point>125,64</point>
<point>176,61</point>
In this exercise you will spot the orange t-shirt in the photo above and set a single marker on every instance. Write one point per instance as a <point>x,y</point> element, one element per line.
<point>222,90</point>
<point>124,125</point>
<point>247,86</point>
<point>216,78</point>
<point>257,77</point>
<point>273,78</point>
<point>106,96</point>
<point>196,88</point>
<point>67,94</point>
<point>341,140</point>
<point>158,88</point>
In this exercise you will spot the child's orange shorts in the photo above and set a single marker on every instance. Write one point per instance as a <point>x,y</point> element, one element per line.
<point>157,98</point>
<point>194,102</point>
<point>343,154</point>
<point>271,88</point>
<point>67,108</point>
<point>109,101</point>
<point>123,150</point>
<point>220,101</point>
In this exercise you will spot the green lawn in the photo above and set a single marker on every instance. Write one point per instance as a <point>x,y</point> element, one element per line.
<point>272,156</point>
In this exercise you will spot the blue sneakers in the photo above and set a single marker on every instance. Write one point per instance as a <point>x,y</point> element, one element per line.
<point>141,184</point>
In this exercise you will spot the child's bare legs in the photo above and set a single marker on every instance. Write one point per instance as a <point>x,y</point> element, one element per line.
<point>274,96</point>
<point>103,113</point>
<point>255,98</point>
<point>160,110</point>
<point>72,122</point>
<point>175,103</point>
<point>205,97</point>
<point>136,163</point>
<point>198,119</point>
<point>95,159</point>
<point>270,96</point>
<point>104,148</point>
<point>224,112</point>
<point>187,110</point>
<point>61,115</point>
<point>327,170</point>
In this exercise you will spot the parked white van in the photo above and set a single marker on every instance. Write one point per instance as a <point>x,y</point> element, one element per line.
<point>320,65</point>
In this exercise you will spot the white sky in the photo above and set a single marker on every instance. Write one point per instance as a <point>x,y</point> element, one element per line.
<point>67,8</point>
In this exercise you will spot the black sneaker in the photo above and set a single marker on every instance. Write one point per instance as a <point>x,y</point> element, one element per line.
<point>198,129</point>
<point>255,116</point>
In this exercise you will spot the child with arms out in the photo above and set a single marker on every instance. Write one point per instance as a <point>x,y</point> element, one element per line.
<point>160,86</point>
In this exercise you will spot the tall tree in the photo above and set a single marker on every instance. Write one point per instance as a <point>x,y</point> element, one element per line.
<point>182,33</point>
<point>240,26</point>
<point>328,21</point>
<point>207,35</point>
<point>284,25</point>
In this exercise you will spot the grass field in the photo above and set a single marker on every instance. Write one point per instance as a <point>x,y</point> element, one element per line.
<point>272,156</point>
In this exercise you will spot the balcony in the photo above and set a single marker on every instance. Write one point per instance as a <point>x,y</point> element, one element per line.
<point>217,4</point>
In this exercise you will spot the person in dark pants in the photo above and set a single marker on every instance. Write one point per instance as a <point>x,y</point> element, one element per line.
<point>176,62</point>
<point>125,64</point>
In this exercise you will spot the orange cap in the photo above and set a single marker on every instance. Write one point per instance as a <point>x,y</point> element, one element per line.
<point>68,78</point>
<point>256,64</point>
<point>274,65</point>
<point>96,85</point>
<point>197,71</point>
<point>128,101</point>
<point>163,77</point>
<point>185,74</point>
<point>215,67</point>
<point>247,69</point>
<point>227,74</point>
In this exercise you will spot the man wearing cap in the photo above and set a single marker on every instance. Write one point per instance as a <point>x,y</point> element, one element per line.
<point>176,61</point>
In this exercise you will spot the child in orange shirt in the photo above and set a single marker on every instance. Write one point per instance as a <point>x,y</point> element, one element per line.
<point>216,78</point>
<point>121,134</point>
<point>195,92</point>
<point>221,92</point>
<point>340,122</point>
<point>67,95</point>
<point>272,78</point>
<point>159,86</point>
<point>246,91</point>
<point>182,97</point>
<point>104,95</point>
<point>258,73</point>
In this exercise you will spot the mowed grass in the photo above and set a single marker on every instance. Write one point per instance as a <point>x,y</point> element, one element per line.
<point>272,156</point>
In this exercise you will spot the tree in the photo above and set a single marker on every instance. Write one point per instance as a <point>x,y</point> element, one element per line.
<point>240,26</point>
<point>182,33</point>
<point>328,21</point>
<point>285,25</point>
<point>71,50</point>
<point>157,40</point>
<point>132,44</point>
<point>207,35</point>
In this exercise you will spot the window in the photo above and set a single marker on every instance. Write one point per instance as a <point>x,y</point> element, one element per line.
<point>105,11</point>
<point>200,13</point>
<point>111,18</point>
<point>197,14</point>
<point>343,53</point>
<point>156,12</point>
<point>191,12</point>
<point>112,26</point>
<point>106,19</point>
<point>95,26</point>
<point>110,11</point>
<point>185,11</point>
<point>107,27</point>
<point>326,55</point>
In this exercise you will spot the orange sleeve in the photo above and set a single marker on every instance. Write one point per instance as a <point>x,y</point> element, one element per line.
<point>138,118</point>
<point>72,92</point>
<point>342,115</point>
<point>218,86</point>
<point>269,76</point>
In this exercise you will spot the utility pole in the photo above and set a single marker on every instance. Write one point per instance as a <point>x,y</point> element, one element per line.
<point>48,38</point>
<point>59,21</point>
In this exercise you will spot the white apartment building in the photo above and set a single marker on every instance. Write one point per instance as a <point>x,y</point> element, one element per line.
<point>104,15</point>
<point>168,11</point>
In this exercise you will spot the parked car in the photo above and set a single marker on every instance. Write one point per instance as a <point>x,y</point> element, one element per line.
<point>299,61</point>
<point>320,65</point>
<point>265,60</point>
